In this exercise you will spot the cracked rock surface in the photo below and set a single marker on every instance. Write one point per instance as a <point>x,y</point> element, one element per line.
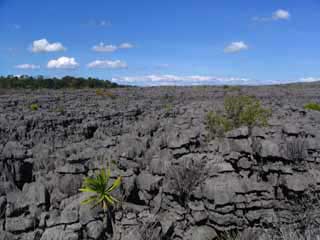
<point>249,178</point>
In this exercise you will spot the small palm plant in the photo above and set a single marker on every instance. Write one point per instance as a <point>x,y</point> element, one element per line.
<point>101,192</point>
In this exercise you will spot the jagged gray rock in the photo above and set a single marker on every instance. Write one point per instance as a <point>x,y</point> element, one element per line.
<point>247,178</point>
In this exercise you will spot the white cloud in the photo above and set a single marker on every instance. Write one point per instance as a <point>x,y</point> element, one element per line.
<point>236,47</point>
<point>63,63</point>
<point>104,48</point>
<point>111,48</point>
<point>126,45</point>
<point>169,79</point>
<point>43,45</point>
<point>309,79</point>
<point>107,64</point>
<point>277,15</point>
<point>281,14</point>
<point>27,66</point>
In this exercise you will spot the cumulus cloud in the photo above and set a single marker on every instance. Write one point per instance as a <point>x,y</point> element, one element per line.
<point>236,47</point>
<point>126,45</point>
<point>281,14</point>
<point>27,66</point>
<point>43,45</point>
<point>107,64</point>
<point>104,48</point>
<point>169,79</point>
<point>277,15</point>
<point>101,47</point>
<point>63,63</point>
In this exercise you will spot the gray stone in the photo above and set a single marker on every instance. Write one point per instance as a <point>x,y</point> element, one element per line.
<point>177,140</point>
<point>95,229</point>
<point>269,149</point>
<point>35,193</point>
<point>69,184</point>
<point>3,203</point>
<point>6,236</point>
<point>291,129</point>
<point>70,214</point>
<point>86,212</point>
<point>244,163</point>
<point>160,163</point>
<point>72,169</point>
<point>20,224</point>
<point>241,132</point>
<point>14,150</point>
<point>58,233</point>
<point>298,182</point>
<point>32,235</point>
<point>240,145</point>
<point>148,182</point>
<point>215,169</point>
<point>202,233</point>
<point>222,190</point>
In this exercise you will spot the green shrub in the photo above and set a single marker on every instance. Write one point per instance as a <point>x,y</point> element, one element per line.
<point>239,111</point>
<point>34,107</point>
<point>312,106</point>
<point>245,111</point>
<point>104,93</point>
<point>231,88</point>
<point>100,191</point>
<point>217,124</point>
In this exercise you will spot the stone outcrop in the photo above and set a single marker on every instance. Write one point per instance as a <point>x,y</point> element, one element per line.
<point>248,177</point>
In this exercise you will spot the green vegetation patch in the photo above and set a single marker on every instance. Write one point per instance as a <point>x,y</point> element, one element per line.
<point>239,111</point>
<point>34,107</point>
<point>312,106</point>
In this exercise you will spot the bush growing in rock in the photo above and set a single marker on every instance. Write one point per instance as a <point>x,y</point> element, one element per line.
<point>150,231</point>
<point>185,177</point>
<point>240,110</point>
<point>103,93</point>
<point>101,192</point>
<point>231,88</point>
<point>217,124</point>
<point>296,149</point>
<point>34,107</point>
<point>245,110</point>
<point>312,106</point>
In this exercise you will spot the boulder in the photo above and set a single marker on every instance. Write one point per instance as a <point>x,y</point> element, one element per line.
<point>242,132</point>
<point>58,233</point>
<point>201,233</point>
<point>148,182</point>
<point>95,229</point>
<point>222,189</point>
<point>14,150</point>
<point>20,224</point>
<point>298,182</point>
<point>269,149</point>
<point>72,169</point>
<point>35,194</point>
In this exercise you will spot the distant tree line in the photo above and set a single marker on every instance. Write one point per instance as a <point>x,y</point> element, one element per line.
<point>29,82</point>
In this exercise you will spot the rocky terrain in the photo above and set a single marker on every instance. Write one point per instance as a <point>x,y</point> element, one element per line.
<point>249,178</point>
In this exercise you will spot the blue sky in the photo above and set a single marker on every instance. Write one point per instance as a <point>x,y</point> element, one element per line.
<point>163,42</point>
